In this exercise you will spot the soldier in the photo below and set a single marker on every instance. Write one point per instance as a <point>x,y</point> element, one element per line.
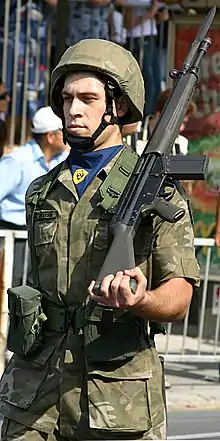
<point>91,371</point>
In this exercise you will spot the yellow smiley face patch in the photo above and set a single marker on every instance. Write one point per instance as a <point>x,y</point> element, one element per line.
<point>79,175</point>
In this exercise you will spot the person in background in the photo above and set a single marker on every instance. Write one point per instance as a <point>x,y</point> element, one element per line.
<point>4,100</point>
<point>141,40</point>
<point>18,169</point>
<point>117,31</point>
<point>181,143</point>
<point>33,16</point>
<point>162,42</point>
<point>3,137</point>
<point>88,19</point>
<point>85,19</point>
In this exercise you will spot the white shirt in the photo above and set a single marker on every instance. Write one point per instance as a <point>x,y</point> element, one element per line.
<point>148,27</point>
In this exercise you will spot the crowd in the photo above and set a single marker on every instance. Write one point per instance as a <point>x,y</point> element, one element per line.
<point>137,28</point>
<point>38,32</point>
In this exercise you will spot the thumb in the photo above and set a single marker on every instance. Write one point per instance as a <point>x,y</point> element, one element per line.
<point>134,273</point>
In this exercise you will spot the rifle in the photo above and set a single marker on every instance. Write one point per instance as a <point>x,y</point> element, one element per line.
<point>142,194</point>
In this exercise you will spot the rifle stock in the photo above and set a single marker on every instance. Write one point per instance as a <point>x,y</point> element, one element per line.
<point>142,193</point>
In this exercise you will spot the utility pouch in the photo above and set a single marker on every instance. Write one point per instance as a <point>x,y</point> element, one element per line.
<point>110,335</point>
<point>26,320</point>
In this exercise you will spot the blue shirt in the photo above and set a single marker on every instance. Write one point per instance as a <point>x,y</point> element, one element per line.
<point>86,166</point>
<point>17,170</point>
<point>87,21</point>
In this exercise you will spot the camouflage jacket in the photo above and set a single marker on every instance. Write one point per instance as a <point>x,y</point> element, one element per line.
<point>113,384</point>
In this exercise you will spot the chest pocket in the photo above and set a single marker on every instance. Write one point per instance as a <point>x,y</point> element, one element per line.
<point>44,254</point>
<point>45,226</point>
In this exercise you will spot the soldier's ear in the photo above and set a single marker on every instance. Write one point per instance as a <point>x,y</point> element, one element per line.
<point>121,106</point>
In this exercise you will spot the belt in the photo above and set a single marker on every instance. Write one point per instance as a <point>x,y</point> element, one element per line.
<point>60,319</point>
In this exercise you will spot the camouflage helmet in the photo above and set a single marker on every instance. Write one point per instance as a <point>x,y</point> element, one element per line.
<point>104,57</point>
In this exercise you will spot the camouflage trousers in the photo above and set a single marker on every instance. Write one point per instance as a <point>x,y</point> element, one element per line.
<point>13,431</point>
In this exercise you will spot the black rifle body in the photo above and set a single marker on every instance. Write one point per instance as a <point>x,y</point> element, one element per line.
<point>142,193</point>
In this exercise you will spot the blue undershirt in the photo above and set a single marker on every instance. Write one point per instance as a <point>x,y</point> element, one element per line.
<point>86,166</point>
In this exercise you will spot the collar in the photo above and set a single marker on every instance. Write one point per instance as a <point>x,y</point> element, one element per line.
<point>106,169</point>
<point>65,175</point>
<point>36,150</point>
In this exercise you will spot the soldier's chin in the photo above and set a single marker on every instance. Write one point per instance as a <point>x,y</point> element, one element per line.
<point>78,131</point>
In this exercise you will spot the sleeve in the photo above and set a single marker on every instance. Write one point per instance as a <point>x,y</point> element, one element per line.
<point>33,187</point>
<point>10,176</point>
<point>173,253</point>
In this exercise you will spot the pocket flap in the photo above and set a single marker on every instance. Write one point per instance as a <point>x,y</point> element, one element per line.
<point>23,300</point>
<point>45,226</point>
<point>137,368</point>
<point>118,399</point>
<point>24,377</point>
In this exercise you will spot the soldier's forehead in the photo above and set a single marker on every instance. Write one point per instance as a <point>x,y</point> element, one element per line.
<point>92,77</point>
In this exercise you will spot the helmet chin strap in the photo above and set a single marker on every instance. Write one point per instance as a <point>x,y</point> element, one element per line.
<point>84,144</point>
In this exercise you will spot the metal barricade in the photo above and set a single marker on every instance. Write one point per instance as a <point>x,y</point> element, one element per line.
<point>176,347</point>
<point>186,345</point>
<point>7,241</point>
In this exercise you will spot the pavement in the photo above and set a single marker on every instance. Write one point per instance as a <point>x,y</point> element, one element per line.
<point>193,385</point>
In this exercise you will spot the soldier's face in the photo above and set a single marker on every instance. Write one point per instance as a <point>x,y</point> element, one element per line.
<point>84,103</point>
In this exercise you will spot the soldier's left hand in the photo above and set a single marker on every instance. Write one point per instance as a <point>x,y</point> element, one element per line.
<point>115,291</point>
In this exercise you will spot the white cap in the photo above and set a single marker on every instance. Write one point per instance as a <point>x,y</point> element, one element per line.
<point>45,121</point>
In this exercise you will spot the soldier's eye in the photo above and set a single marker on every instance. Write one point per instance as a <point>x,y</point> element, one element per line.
<point>67,98</point>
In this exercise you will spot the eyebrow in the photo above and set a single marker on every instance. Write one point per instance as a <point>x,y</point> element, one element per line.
<point>91,93</point>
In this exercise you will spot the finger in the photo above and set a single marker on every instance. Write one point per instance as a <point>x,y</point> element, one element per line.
<point>125,289</point>
<point>99,299</point>
<point>114,289</point>
<point>127,294</point>
<point>135,273</point>
<point>91,286</point>
<point>105,286</point>
<point>132,297</point>
<point>116,282</point>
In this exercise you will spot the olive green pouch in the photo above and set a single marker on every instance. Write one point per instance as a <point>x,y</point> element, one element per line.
<point>26,320</point>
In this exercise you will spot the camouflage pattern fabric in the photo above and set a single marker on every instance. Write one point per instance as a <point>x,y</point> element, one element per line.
<point>12,430</point>
<point>153,407</point>
<point>57,388</point>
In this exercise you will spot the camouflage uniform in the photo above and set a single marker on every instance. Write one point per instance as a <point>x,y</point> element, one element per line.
<point>103,379</point>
